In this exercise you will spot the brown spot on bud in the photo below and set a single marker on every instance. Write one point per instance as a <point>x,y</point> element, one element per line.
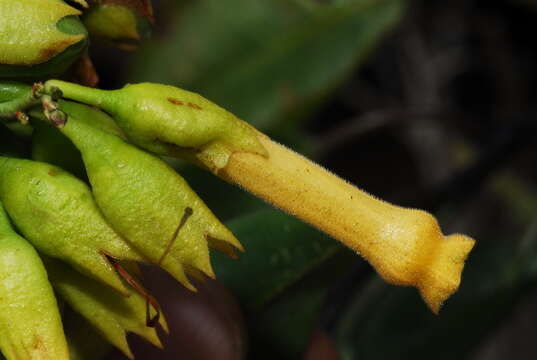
<point>51,51</point>
<point>38,344</point>
<point>194,106</point>
<point>175,101</point>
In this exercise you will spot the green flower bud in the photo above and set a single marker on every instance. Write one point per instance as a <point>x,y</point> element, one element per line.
<point>30,323</point>
<point>51,146</point>
<point>112,315</point>
<point>170,121</point>
<point>149,203</point>
<point>39,38</point>
<point>121,22</point>
<point>57,213</point>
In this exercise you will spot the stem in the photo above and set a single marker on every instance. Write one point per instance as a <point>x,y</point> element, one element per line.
<point>9,109</point>
<point>405,246</point>
<point>83,94</point>
<point>10,90</point>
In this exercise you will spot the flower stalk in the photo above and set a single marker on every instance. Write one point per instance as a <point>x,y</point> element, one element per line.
<point>26,98</point>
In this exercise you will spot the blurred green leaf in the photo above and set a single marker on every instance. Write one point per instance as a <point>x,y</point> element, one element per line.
<point>269,59</point>
<point>280,251</point>
<point>284,328</point>
<point>281,280</point>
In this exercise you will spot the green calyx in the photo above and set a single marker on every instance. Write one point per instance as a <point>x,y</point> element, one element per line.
<point>39,38</point>
<point>30,323</point>
<point>148,203</point>
<point>56,212</point>
<point>170,121</point>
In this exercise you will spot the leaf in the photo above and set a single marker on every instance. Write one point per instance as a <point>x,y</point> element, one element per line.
<point>285,326</point>
<point>269,59</point>
<point>281,280</point>
<point>280,250</point>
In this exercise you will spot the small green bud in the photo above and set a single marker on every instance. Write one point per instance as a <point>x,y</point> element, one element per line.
<point>30,323</point>
<point>39,38</point>
<point>57,213</point>
<point>148,202</point>
<point>112,315</point>
<point>170,121</point>
<point>121,22</point>
<point>51,146</point>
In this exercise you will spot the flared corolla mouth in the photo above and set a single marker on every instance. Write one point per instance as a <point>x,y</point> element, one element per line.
<point>444,273</point>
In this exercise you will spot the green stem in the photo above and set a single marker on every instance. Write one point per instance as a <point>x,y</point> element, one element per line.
<point>9,109</point>
<point>10,90</point>
<point>17,98</point>
<point>83,94</point>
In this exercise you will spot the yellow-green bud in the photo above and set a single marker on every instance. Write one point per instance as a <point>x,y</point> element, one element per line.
<point>111,314</point>
<point>148,202</point>
<point>56,212</point>
<point>39,38</point>
<point>30,323</point>
<point>121,22</point>
<point>170,121</point>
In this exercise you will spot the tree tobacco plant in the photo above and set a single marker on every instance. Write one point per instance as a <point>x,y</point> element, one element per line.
<point>95,198</point>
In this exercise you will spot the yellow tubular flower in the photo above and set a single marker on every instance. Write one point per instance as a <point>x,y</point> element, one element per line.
<point>406,246</point>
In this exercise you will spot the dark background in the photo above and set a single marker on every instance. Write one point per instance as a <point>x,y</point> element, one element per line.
<point>428,104</point>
